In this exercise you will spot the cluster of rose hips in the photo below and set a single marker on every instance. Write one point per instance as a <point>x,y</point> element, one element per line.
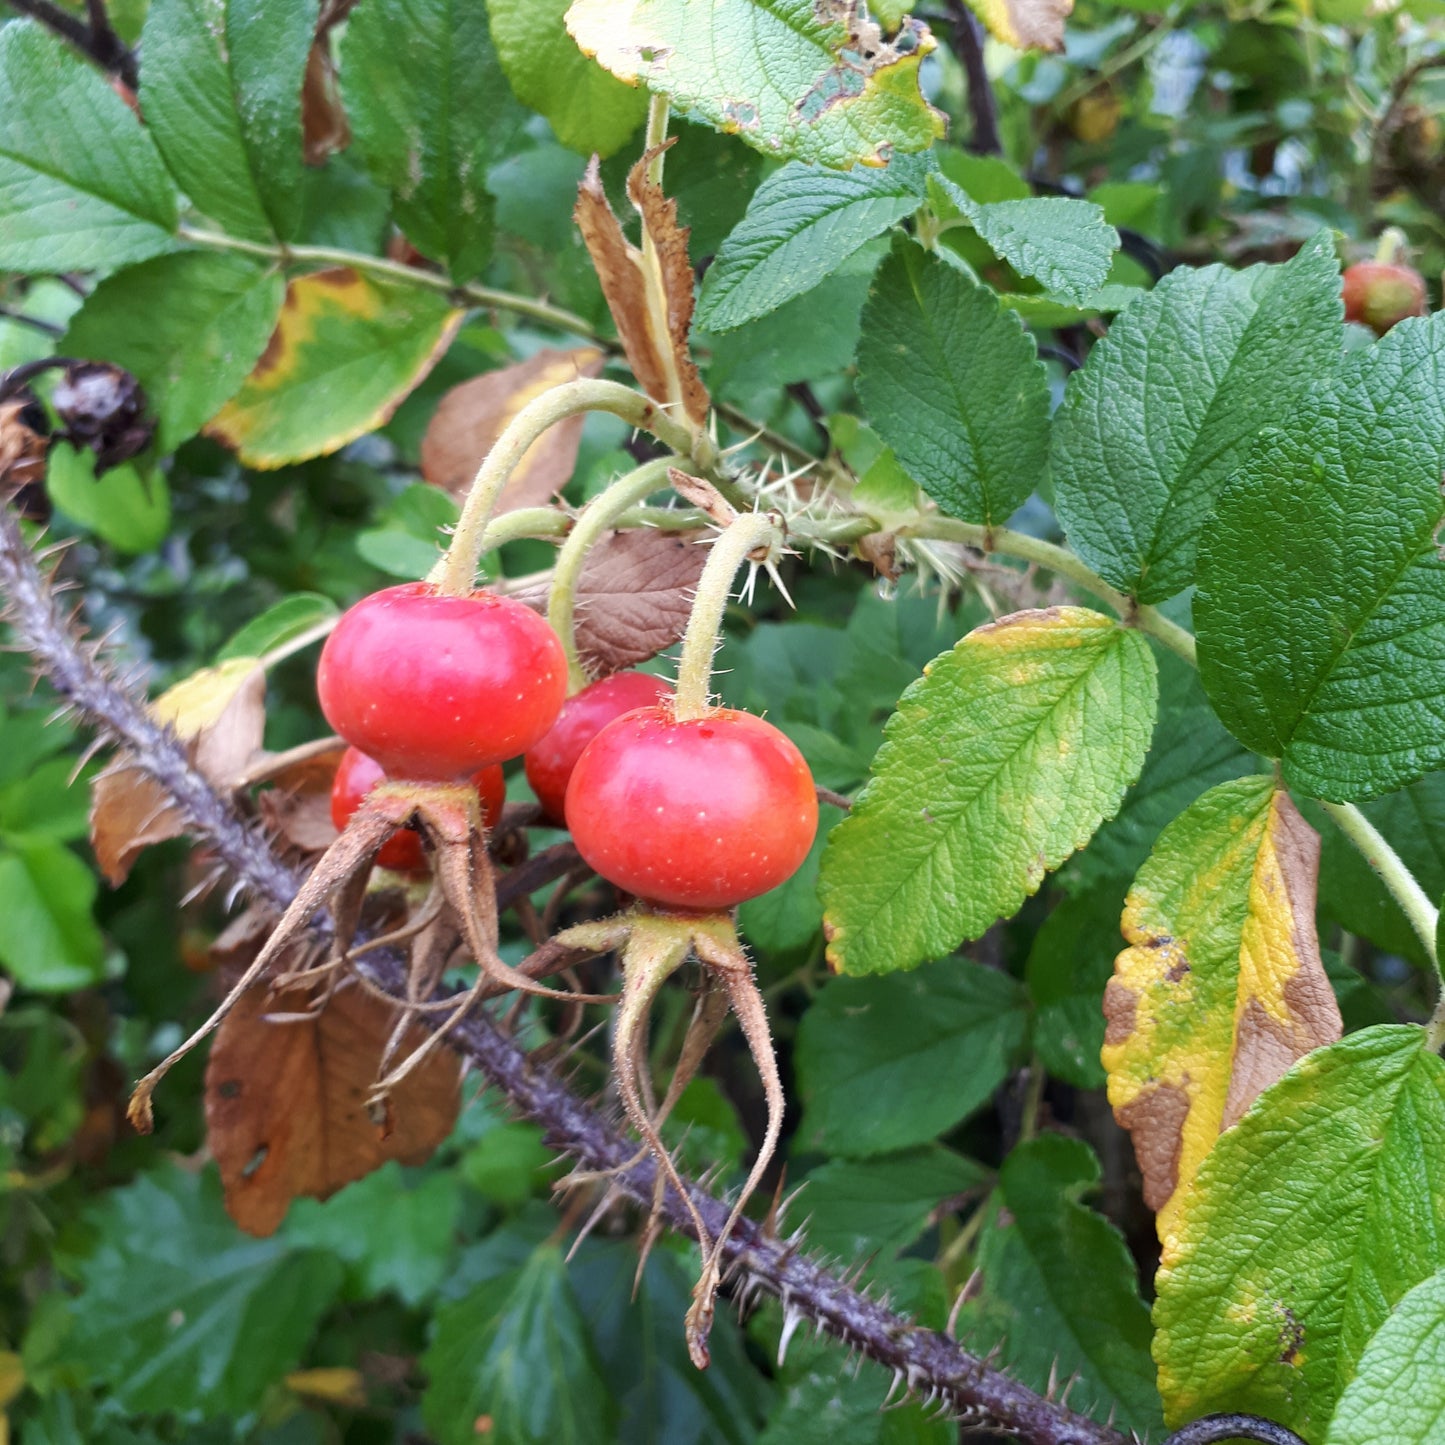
<point>697,814</point>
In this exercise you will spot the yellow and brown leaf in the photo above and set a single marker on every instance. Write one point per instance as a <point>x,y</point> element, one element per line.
<point>1222,988</point>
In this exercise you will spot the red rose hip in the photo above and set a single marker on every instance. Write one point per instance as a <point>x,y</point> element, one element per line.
<point>1379,293</point>
<point>403,851</point>
<point>434,686</point>
<point>550,762</point>
<point>701,814</point>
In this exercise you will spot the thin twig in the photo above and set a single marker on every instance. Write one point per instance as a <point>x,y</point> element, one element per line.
<point>48,327</point>
<point>98,41</point>
<point>982,104</point>
<point>1210,1429</point>
<point>757,1258</point>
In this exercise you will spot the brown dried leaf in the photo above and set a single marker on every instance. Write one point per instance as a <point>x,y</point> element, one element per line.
<point>221,711</point>
<point>22,450</point>
<point>633,597</point>
<point>657,350</point>
<point>286,1113</point>
<point>473,415</point>
<point>1026,24</point>
<point>703,495</point>
<point>324,127</point>
<point>297,808</point>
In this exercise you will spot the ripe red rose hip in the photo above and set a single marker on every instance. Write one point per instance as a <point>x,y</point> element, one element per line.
<point>1378,294</point>
<point>549,764</point>
<point>434,686</point>
<point>700,814</point>
<point>403,851</point>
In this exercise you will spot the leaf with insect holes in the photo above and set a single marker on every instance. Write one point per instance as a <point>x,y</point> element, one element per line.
<point>999,763</point>
<point>588,109</point>
<point>82,186</point>
<point>633,597</point>
<point>810,79</point>
<point>652,308</point>
<point>1307,1224</point>
<point>1397,1395</point>
<point>801,225</point>
<point>346,352</point>
<point>221,713</point>
<point>1057,1289</point>
<point>188,327</point>
<point>516,1352</point>
<point>221,95</point>
<point>953,384</point>
<point>1170,402</point>
<point>1221,989</point>
<point>286,1113</point>
<point>473,414</point>
<point>1026,24</point>
<point>1063,243</point>
<point>177,1312</point>
<point>1321,602</point>
<point>431,115</point>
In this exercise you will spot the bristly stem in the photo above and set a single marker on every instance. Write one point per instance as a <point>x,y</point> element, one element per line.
<point>595,518</point>
<point>1213,1429</point>
<point>744,534</point>
<point>457,572</point>
<point>931,1363</point>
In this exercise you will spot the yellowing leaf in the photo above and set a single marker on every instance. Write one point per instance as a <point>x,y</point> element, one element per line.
<point>1026,24</point>
<point>813,79</point>
<point>346,352</point>
<point>1222,989</point>
<point>473,414</point>
<point>333,1383</point>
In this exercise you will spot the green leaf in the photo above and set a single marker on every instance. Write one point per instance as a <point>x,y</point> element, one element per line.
<point>884,1064</point>
<point>786,77</point>
<point>276,626</point>
<point>999,763</point>
<point>49,802</point>
<point>517,1349</point>
<point>221,94</point>
<point>789,918</point>
<point>801,225</point>
<point>430,116</point>
<point>398,1233</point>
<point>1170,401</point>
<point>1307,1224</point>
<point>953,384</point>
<point>48,940</point>
<point>1397,1396</point>
<point>829,1404</point>
<point>125,506</point>
<point>588,110</point>
<point>346,352</point>
<point>1041,309</point>
<point>1321,603</point>
<point>189,327</point>
<point>81,184</point>
<point>178,1312</point>
<point>1190,753</point>
<point>1063,243</point>
<point>664,1398</point>
<point>1222,987</point>
<point>853,1209</point>
<point>1071,960</point>
<point>1059,1287</point>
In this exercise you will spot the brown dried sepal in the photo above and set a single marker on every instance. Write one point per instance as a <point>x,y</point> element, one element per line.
<point>286,1102</point>
<point>473,414</point>
<point>23,446</point>
<point>633,597</point>
<point>652,310</point>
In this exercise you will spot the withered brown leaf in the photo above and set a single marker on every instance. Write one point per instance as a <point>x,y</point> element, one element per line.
<point>297,805</point>
<point>633,596</point>
<point>656,345</point>
<point>472,416</point>
<point>286,1113</point>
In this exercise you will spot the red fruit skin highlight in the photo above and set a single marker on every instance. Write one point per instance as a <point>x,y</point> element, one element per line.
<point>403,852</point>
<point>702,814</point>
<point>1378,294</point>
<point>550,762</point>
<point>434,687</point>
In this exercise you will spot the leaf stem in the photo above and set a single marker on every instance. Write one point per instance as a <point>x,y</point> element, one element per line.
<point>396,271</point>
<point>1423,916</point>
<point>744,534</point>
<point>457,571</point>
<point>596,517</point>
